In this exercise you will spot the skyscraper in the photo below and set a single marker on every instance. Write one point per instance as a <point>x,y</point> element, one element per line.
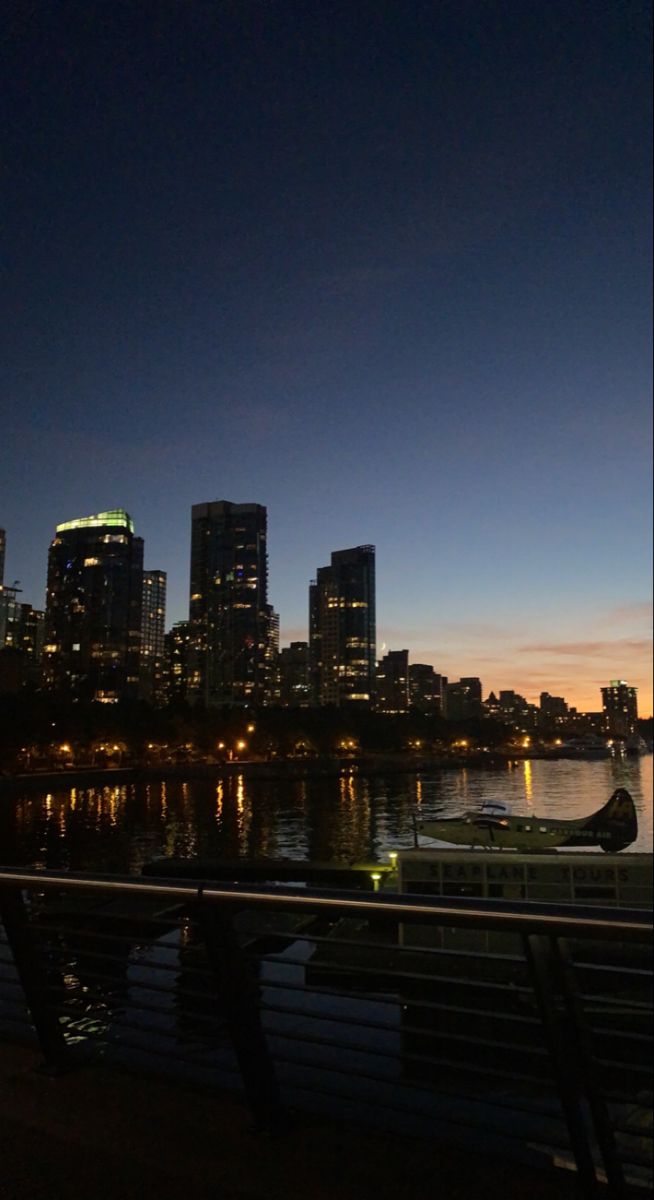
<point>294,675</point>
<point>342,629</point>
<point>177,643</point>
<point>392,682</point>
<point>620,706</point>
<point>93,608</point>
<point>153,620</point>
<point>426,688</point>
<point>229,615</point>
<point>462,700</point>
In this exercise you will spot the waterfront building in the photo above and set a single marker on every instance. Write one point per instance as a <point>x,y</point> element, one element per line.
<point>31,632</point>
<point>342,629</point>
<point>177,647</point>
<point>93,608</point>
<point>392,682</point>
<point>620,708</point>
<point>153,622</point>
<point>229,612</point>
<point>294,675</point>
<point>272,685</point>
<point>554,712</point>
<point>553,707</point>
<point>9,616</point>
<point>462,700</point>
<point>426,688</point>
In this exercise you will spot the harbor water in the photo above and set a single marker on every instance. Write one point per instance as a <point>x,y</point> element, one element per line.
<point>119,828</point>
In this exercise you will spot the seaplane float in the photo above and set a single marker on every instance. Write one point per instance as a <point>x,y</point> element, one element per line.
<point>493,826</point>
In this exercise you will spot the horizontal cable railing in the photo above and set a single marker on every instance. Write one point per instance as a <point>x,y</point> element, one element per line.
<point>524,1027</point>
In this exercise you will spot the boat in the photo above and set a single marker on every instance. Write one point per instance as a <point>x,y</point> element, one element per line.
<point>589,746</point>
<point>613,827</point>
<point>635,745</point>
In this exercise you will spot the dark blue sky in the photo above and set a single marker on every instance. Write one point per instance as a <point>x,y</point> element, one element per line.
<point>383,267</point>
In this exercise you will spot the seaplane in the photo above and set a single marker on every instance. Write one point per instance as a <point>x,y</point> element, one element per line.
<point>493,826</point>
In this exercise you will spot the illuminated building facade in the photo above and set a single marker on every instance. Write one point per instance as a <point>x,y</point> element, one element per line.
<point>229,613</point>
<point>426,688</point>
<point>392,682</point>
<point>620,708</point>
<point>177,646</point>
<point>462,700</point>
<point>153,620</point>
<point>294,675</point>
<point>93,608</point>
<point>342,629</point>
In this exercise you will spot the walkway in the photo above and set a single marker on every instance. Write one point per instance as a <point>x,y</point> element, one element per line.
<point>99,1134</point>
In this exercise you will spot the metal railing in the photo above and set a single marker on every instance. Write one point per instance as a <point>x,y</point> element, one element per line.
<point>521,1027</point>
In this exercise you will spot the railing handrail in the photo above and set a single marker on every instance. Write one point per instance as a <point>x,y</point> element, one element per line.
<point>510,916</point>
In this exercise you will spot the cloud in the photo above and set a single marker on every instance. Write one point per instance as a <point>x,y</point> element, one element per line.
<point>478,629</point>
<point>582,649</point>
<point>626,613</point>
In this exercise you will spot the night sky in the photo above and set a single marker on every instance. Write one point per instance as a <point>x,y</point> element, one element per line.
<point>382,267</point>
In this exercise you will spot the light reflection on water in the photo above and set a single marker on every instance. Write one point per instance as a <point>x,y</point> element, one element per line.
<point>348,818</point>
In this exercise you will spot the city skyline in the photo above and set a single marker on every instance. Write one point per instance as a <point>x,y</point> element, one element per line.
<point>453,665</point>
<point>384,268</point>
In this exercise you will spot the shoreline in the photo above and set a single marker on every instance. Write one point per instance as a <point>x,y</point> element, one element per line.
<point>288,769</point>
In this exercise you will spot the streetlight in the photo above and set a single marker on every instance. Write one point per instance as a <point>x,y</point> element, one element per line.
<point>376,877</point>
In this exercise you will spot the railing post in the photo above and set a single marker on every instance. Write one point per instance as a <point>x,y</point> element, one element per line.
<point>238,995</point>
<point>600,1114</point>
<point>32,976</point>
<point>563,1053</point>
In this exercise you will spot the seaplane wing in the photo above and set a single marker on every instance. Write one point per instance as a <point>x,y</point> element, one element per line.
<point>613,828</point>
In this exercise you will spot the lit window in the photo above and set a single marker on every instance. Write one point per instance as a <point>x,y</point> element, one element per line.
<point>91,562</point>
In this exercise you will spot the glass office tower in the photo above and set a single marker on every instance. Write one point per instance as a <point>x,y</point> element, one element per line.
<point>93,608</point>
<point>342,629</point>
<point>229,614</point>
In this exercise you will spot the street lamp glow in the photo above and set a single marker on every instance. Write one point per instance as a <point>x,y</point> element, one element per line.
<point>241,745</point>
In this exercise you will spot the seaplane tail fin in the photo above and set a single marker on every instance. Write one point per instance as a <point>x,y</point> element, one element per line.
<point>617,819</point>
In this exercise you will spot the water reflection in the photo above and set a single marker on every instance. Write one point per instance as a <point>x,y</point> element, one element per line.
<point>529,783</point>
<point>350,817</point>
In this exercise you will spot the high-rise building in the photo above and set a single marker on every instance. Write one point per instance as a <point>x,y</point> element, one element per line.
<point>620,708</point>
<point>177,648</point>
<point>153,621</point>
<point>93,608</point>
<point>229,614</point>
<point>426,688</point>
<point>392,682</point>
<point>272,687</point>
<point>294,690</point>
<point>462,700</point>
<point>553,711</point>
<point>342,629</point>
<point>10,608</point>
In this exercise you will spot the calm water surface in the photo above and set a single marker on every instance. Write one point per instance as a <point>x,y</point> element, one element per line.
<point>351,817</point>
